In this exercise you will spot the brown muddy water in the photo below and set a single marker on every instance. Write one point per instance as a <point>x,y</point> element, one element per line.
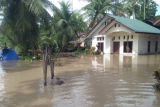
<point>92,81</point>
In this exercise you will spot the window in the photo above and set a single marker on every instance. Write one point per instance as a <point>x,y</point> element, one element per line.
<point>127,46</point>
<point>115,25</point>
<point>156,46</point>
<point>119,38</point>
<point>128,37</point>
<point>118,25</point>
<point>105,23</point>
<point>100,38</point>
<point>124,37</point>
<point>113,38</point>
<point>131,36</point>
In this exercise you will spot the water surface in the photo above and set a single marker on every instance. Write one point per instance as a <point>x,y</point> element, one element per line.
<point>90,81</point>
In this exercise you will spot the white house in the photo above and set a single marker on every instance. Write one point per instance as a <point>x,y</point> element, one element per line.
<point>114,34</point>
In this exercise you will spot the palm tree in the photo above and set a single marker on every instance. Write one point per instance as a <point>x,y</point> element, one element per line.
<point>50,53</point>
<point>20,22</point>
<point>149,9</point>
<point>56,32</point>
<point>27,21</point>
<point>96,10</point>
<point>140,9</point>
<point>67,24</point>
<point>21,25</point>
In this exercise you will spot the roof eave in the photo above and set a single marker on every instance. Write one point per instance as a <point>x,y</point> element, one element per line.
<point>148,33</point>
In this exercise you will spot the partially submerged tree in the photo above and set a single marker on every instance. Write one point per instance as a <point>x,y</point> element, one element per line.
<point>56,32</point>
<point>50,52</point>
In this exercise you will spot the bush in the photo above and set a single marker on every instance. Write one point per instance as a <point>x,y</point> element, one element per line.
<point>156,75</point>
<point>19,49</point>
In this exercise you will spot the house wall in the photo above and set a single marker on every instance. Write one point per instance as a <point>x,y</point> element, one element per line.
<point>143,43</point>
<point>117,27</point>
<point>95,41</point>
<point>119,33</point>
<point>121,37</point>
<point>107,44</point>
<point>140,40</point>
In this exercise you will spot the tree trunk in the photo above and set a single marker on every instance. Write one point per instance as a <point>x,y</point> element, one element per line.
<point>47,61</point>
<point>51,62</point>
<point>52,70</point>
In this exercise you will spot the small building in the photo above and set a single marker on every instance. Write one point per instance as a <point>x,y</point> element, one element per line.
<point>114,34</point>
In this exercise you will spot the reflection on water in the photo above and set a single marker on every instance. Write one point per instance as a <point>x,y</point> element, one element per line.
<point>93,81</point>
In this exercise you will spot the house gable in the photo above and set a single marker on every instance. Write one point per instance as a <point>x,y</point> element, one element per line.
<point>115,27</point>
<point>103,23</point>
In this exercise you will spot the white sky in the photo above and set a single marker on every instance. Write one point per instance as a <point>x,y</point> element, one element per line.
<point>78,4</point>
<point>158,8</point>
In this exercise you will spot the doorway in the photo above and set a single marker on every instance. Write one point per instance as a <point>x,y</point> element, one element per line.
<point>100,46</point>
<point>128,46</point>
<point>116,46</point>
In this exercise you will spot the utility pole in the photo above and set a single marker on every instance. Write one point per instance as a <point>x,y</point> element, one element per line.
<point>144,12</point>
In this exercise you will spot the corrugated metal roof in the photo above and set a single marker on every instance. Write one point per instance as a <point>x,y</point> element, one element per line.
<point>136,25</point>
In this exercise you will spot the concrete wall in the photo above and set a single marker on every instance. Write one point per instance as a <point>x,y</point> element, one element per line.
<point>121,37</point>
<point>107,44</point>
<point>120,34</point>
<point>143,43</point>
<point>94,40</point>
<point>119,28</point>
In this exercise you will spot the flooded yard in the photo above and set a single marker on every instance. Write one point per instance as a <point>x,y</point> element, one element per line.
<point>90,81</point>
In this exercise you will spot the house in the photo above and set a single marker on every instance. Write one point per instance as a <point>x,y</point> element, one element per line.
<point>114,34</point>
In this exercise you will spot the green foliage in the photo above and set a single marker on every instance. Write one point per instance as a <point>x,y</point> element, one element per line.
<point>20,23</point>
<point>19,49</point>
<point>96,10</point>
<point>140,9</point>
<point>27,26</point>
<point>66,25</point>
<point>157,17</point>
<point>156,75</point>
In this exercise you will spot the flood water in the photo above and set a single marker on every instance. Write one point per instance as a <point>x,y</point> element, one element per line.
<point>90,81</point>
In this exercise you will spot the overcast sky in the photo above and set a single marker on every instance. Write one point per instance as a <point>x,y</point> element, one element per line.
<point>158,2</point>
<point>78,4</point>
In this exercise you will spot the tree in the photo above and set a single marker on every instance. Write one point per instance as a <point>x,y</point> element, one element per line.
<point>56,32</point>
<point>140,9</point>
<point>117,8</point>
<point>96,10</point>
<point>66,25</point>
<point>50,52</point>
<point>149,9</point>
<point>20,22</point>
<point>20,26</point>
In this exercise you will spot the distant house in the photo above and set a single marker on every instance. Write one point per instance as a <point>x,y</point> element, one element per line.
<point>114,34</point>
